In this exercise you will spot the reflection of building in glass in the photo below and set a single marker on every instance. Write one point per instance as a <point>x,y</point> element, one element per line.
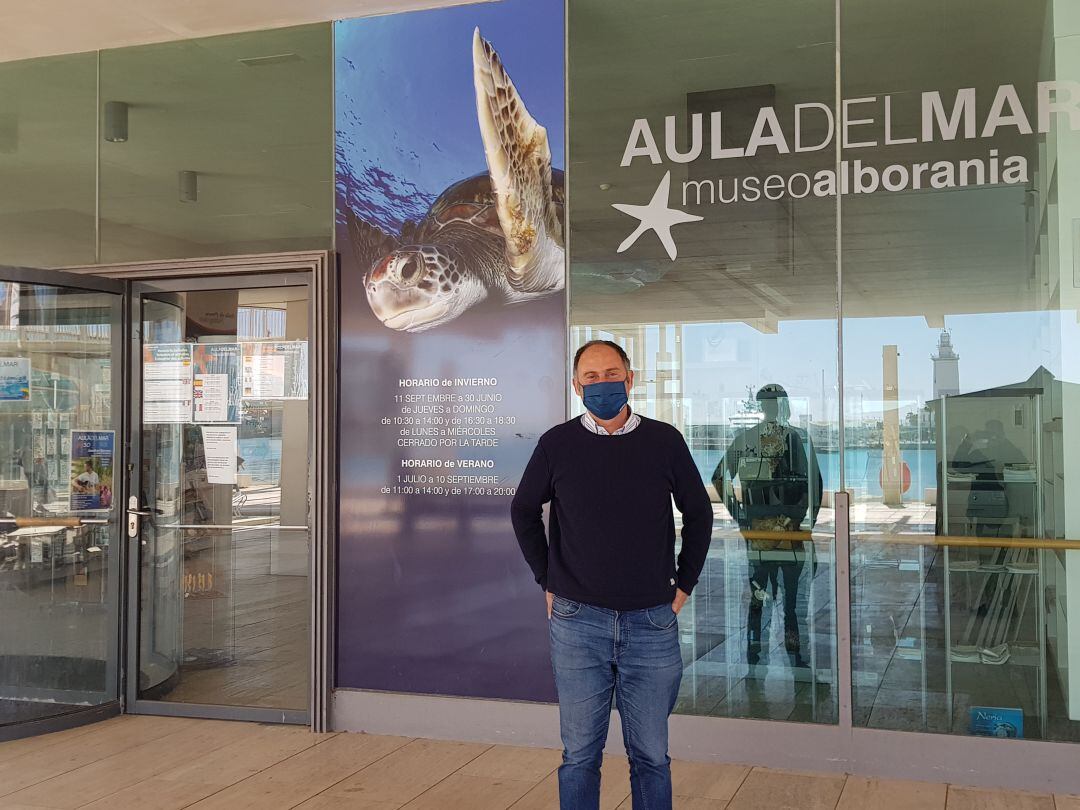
<point>1001,463</point>
<point>946,367</point>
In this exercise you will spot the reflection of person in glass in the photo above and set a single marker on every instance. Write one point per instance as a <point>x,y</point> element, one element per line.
<point>769,483</point>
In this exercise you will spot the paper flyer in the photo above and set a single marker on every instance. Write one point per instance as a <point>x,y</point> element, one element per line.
<point>167,383</point>
<point>219,449</point>
<point>91,469</point>
<point>276,370</point>
<point>216,386</point>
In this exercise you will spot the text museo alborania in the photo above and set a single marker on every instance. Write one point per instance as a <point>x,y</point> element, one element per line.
<point>863,123</point>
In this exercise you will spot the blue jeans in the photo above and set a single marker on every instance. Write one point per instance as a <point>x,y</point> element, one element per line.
<point>634,655</point>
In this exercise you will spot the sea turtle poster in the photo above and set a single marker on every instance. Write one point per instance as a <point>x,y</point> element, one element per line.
<point>451,230</point>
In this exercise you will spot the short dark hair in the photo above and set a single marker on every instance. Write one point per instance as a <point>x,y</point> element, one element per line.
<point>619,350</point>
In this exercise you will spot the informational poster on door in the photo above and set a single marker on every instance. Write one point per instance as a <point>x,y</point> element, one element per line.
<point>92,454</point>
<point>453,340</point>
<point>14,379</point>
<point>276,370</point>
<point>216,385</point>
<point>167,383</point>
<point>219,450</point>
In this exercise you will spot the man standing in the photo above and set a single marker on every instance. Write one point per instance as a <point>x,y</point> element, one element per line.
<point>607,565</point>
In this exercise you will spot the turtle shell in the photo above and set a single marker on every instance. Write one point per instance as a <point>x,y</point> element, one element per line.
<point>472,202</point>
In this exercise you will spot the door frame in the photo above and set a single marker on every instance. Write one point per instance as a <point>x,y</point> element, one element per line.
<point>322,270</point>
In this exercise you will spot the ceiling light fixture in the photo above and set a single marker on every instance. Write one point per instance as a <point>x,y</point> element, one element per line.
<point>189,186</point>
<point>116,121</point>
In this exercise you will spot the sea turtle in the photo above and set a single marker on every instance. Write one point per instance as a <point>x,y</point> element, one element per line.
<point>495,234</point>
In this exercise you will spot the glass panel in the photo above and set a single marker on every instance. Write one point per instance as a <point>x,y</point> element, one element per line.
<point>225,594</point>
<point>731,325</point>
<point>47,157</point>
<point>57,462</point>
<point>217,146</point>
<point>960,303</point>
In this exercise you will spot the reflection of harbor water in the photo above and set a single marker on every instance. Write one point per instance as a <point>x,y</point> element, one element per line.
<point>862,468</point>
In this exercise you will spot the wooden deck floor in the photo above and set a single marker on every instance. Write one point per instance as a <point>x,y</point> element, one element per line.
<point>155,763</point>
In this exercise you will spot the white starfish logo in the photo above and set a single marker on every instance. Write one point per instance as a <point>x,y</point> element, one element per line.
<point>656,216</point>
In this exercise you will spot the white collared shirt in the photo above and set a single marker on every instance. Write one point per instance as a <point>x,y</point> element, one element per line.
<point>591,425</point>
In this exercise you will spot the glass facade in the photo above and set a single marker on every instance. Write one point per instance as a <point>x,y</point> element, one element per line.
<point>208,147</point>
<point>959,364</point>
<point>906,186</point>
<point>47,161</point>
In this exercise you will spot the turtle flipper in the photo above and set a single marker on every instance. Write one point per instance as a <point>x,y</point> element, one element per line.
<point>519,162</point>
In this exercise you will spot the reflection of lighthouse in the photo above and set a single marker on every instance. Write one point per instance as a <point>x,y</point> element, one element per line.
<point>946,368</point>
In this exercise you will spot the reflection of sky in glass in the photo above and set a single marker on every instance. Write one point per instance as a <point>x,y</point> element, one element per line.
<point>724,361</point>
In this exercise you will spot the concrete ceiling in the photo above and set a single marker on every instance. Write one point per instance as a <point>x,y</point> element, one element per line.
<point>48,27</point>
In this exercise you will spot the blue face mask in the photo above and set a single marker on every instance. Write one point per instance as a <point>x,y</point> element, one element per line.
<point>605,400</point>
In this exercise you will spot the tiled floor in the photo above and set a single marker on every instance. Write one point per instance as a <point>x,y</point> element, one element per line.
<point>154,763</point>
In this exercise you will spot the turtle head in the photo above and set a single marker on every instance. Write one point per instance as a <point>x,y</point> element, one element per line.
<point>419,287</point>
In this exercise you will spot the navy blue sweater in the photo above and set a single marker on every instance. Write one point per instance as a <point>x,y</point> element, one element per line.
<point>611,533</point>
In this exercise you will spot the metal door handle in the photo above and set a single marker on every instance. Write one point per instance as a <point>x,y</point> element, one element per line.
<point>134,513</point>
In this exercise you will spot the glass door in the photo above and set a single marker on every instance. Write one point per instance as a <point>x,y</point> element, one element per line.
<point>61,367</point>
<point>219,497</point>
